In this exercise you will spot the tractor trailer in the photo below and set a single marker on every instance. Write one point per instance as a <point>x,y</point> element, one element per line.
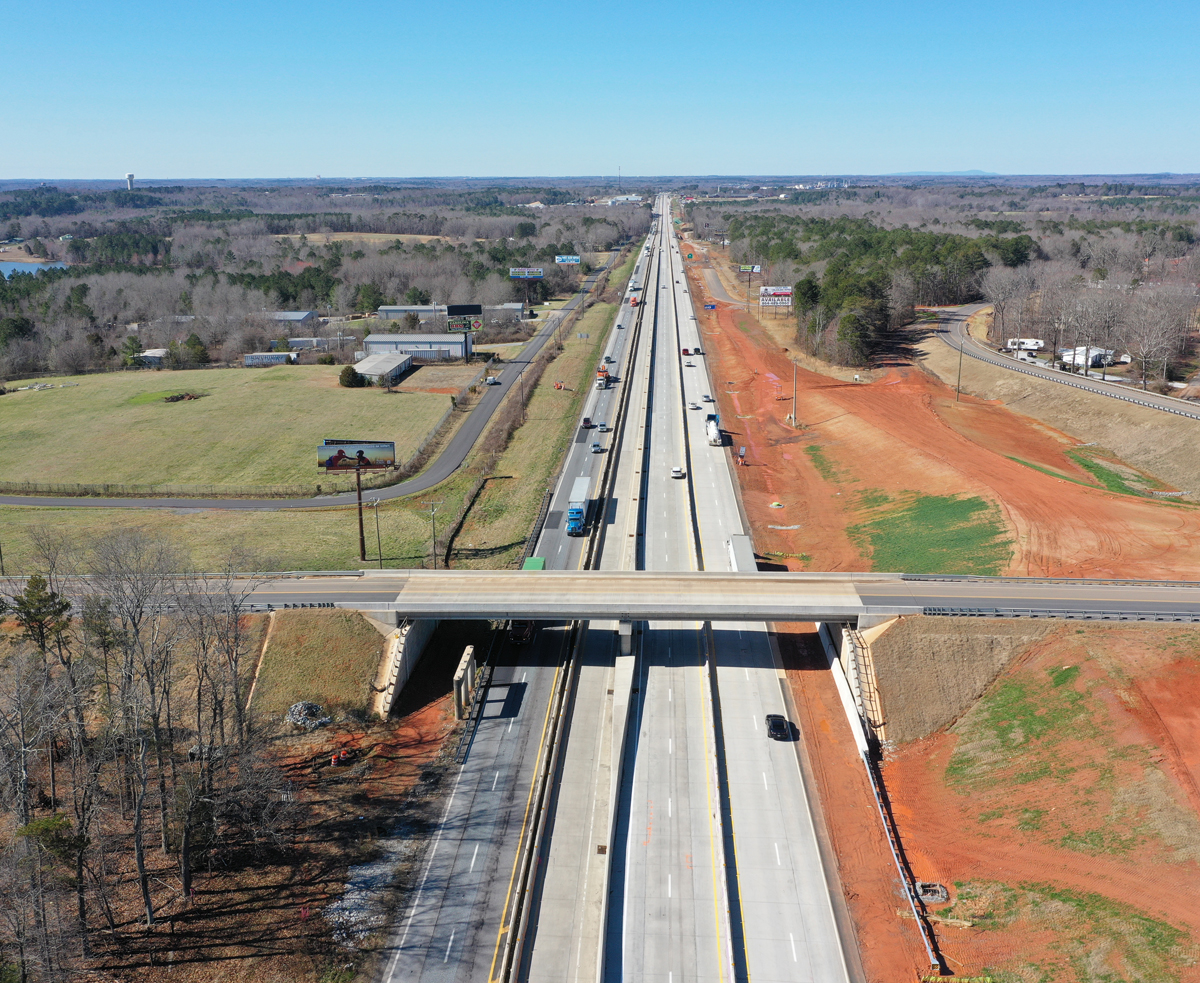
<point>577,507</point>
<point>712,429</point>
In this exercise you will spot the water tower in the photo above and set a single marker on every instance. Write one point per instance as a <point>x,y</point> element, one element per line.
<point>128,182</point>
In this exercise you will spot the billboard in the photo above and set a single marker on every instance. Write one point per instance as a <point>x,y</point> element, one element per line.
<point>464,323</point>
<point>567,260</point>
<point>463,310</point>
<point>774,301</point>
<point>349,455</point>
<point>525,273</point>
<point>749,269</point>
<point>774,291</point>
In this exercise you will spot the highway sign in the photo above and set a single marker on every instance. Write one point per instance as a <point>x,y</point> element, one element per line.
<point>525,273</point>
<point>710,307</point>
<point>567,260</point>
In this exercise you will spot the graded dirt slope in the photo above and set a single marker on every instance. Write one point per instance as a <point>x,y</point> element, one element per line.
<point>893,471</point>
<point>1063,810</point>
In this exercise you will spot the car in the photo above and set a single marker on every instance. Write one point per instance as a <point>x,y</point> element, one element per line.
<point>697,351</point>
<point>602,427</point>
<point>587,423</point>
<point>693,406</point>
<point>491,380</point>
<point>690,364</point>
<point>778,728</point>
<point>596,447</point>
<point>706,398</point>
<point>678,473</point>
<point>520,632</point>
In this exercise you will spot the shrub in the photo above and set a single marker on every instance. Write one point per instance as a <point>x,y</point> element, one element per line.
<point>351,379</point>
<point>328,359</point>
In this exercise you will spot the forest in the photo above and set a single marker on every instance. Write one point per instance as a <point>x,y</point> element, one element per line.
<point>1108,265</point>
<point>138,263</point>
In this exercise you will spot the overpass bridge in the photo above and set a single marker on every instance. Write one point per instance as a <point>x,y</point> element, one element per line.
<point>657,595</point>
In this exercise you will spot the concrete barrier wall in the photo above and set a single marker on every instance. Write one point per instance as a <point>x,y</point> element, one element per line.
<point>404,649</point>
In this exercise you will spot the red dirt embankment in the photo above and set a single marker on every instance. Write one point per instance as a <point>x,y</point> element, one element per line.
<point>902,431</point>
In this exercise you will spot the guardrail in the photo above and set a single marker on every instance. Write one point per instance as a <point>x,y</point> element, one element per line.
<point>1076,614</point>
<point>1049,377</point>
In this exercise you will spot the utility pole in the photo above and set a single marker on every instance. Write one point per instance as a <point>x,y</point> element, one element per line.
<point>378,540</point>
<point>795,423</point>
<point>433,508</point>
<point>362,539</point>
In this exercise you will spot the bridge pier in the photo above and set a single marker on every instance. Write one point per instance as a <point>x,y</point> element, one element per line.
<point>625,630</point>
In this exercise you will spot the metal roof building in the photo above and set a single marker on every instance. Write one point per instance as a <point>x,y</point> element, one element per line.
<point>293,317</point>
<point>426,347</point>
<point>384,367</point>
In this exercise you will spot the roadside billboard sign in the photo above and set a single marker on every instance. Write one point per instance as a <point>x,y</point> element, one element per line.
<point>774,301</point>
<point>462,310</point>
<point>567,260</point>
<point>361,455</point>
<point>467,323</point>
<point>525,272</point>
<point>774,291</point>
<point>749,269</point>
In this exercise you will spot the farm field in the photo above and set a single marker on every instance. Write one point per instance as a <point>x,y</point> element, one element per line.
<point>251,427</point>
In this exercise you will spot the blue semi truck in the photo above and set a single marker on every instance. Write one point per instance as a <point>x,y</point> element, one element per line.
<point>577,507</point>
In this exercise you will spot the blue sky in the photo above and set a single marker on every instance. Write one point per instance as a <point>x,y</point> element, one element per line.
<point>458,87</point>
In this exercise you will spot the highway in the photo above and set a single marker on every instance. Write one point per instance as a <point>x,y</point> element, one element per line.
<point>457,927</point>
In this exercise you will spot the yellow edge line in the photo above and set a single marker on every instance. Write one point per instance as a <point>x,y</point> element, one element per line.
<point>524,822</point>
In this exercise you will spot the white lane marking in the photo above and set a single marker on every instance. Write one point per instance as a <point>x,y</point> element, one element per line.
<point>778,862</point>
<point>495,780</point>
<point>446,957</point>
<point>524,676</point>
<point>510,723</point>
<point>792,939</point>
<point>765,780</point>
<point>670,695</point>
<point>755,719</point>
<point>670,746</point>
<point>746,670</point>
<point>476,854</point>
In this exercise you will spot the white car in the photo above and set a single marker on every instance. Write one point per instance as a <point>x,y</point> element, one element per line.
<point>678,473</point>
<point>706,398</point>
<point>596,448</point>
<point>690,365</point>
<point>693,406</point>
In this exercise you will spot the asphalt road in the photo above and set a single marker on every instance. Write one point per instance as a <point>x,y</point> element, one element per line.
<point>955,335</point>
<point>446,463</point>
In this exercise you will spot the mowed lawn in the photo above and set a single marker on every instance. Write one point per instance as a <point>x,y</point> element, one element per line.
<point>254,426</point>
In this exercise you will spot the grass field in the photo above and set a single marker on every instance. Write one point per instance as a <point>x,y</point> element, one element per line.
<point>329,657</point>
<point>932,534</point>
<point>254,427</point>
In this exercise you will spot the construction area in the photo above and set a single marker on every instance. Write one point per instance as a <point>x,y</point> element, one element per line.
<point>1044,773</point>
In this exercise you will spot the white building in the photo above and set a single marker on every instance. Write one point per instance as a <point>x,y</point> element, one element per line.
<point>446,347</point>
<point>384,367</point>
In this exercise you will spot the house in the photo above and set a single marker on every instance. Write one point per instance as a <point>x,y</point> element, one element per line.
<point>153,357</point>
<point>384,368</point>
<point>446,347</point>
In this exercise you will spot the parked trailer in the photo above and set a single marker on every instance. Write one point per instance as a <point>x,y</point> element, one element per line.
<point>577,507</point>
<point>1025,344</point>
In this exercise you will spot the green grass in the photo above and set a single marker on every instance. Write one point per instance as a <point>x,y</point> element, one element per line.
<point>255,427</point>
<point>933,534</point>
<point>1096,939</point>
<point>1013,729</point>
<point>1107,477</point>
<point>329,657</point>
<point>822,463</point>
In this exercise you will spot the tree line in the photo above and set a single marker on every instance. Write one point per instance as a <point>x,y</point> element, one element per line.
<point>125,736</point>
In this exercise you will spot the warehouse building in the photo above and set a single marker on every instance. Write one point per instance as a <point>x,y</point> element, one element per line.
<point>447,347</point>
<point>384,368</point>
